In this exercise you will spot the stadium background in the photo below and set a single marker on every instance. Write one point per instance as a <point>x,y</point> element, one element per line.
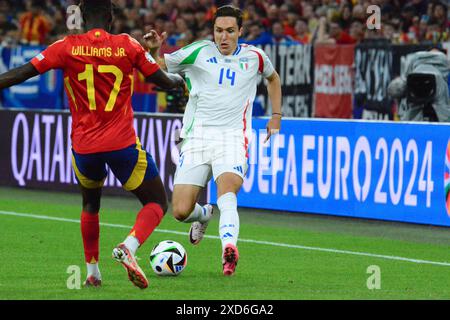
<point>342,150</point>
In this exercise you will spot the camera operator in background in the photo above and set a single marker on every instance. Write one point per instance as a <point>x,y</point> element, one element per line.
<point>423,89</point>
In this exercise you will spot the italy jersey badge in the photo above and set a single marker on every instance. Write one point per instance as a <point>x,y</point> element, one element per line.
<point>243,63</point>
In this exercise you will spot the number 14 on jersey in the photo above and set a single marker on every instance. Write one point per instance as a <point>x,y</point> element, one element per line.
<point>228,74</point>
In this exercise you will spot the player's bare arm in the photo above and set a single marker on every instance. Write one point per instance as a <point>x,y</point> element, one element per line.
<point>274,91</point>
<point>154,42</point>
<point>17,75</point>
<point>165,80</point>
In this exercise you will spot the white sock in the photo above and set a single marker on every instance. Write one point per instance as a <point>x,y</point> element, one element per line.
<point>229,219</point>
<point>132,244</point>
<point>93,270</point>
<point>199,214</point>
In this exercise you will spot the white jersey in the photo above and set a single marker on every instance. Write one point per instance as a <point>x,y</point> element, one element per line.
<point>222,88</point>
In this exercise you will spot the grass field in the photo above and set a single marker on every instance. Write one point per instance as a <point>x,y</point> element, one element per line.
<point>283,256</point>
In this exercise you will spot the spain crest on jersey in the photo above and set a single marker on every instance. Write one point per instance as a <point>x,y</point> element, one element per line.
<point>243,63</point>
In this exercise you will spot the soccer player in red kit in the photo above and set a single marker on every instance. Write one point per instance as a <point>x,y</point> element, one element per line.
<point>98,76</point>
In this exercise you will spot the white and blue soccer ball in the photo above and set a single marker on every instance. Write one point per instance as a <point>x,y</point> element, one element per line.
<point>168,258</point>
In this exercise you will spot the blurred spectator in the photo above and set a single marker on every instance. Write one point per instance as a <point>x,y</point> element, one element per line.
<point>120,24</point>
<point>289,23</point>
<point>172,35</point>
<point>201,22</point>
<point>278,36</point>
<point>440,15</point>
<point>435,33</point>
<point>420,6</point>
<point>138,35</point>
<point>333,33</point>
<point>35,26</point>
<point>423,28</point>
<point>186,38</point>
<point>302,34</point>
<point>133,18</point>
<point>402,21</point>
<point>357,31</point>
<point>346,16</point>
<point>205,34</point>
<point>59,25</point>
<point>5,7</point>
<point>389,31</point>
<point>358,12</point>
<point>407,15</point>
<point>189,18</point>
<point>8,30</point>
<point>308,15</point>
<point>185,35</point>
<point>257,36</point>
<point>271,16</point>
<point>160,21</point>
<point>339,35</point>
<point>413,31</point>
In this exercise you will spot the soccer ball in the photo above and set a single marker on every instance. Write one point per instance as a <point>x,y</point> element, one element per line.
<point>168,258</point>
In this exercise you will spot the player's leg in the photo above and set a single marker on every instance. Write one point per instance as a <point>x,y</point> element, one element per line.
<point>137,172</point>
<point>90,172</point>
<point>192,173</point>
<point>152,195</point>
<point>90,232</point>
<point>229,168</point>
<point>228,185</point>
<point>184,202</point>
<point>186,209</point>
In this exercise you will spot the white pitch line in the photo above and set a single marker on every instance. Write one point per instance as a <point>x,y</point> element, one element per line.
<point>276,244</point>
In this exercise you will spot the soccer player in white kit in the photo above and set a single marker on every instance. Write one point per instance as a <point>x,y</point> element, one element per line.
<point>222,77</point>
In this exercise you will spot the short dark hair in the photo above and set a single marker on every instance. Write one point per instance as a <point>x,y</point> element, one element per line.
<point>95,4</point>
<point>229,11</point>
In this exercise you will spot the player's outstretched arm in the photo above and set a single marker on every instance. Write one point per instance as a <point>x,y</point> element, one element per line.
<point>166,80</point>
<point>17,75</point>
<point>274,91</point>
<point>154,42</point>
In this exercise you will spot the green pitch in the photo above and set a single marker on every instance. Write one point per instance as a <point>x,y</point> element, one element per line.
<point>283,256</point>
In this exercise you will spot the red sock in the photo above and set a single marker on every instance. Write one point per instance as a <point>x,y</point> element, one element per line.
<point>146,221</point>
<point>90,231</point>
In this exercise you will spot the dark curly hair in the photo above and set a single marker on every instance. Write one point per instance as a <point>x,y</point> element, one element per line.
<point>97,10</point>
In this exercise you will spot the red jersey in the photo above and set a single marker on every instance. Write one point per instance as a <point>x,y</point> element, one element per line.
<point>98,77</point>
<point>345,38</point>
<point>34,29</point>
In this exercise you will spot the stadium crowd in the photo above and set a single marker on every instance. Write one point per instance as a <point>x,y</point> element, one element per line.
<point>265,22</point>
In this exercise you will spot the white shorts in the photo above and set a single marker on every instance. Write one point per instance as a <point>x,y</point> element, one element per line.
<point>202,158</point>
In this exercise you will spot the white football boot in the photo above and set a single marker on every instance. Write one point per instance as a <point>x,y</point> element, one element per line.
<point>198,229</point>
